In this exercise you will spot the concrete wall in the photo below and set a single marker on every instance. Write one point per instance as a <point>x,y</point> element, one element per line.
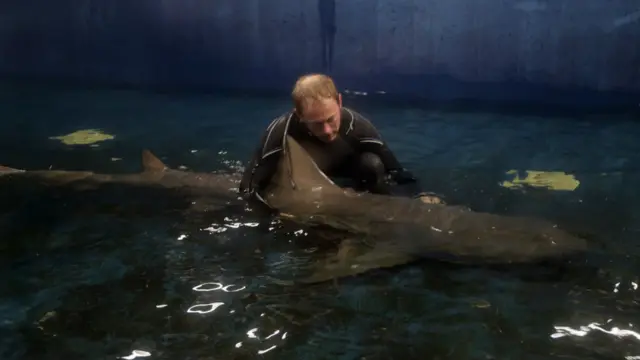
<point>440,49</point>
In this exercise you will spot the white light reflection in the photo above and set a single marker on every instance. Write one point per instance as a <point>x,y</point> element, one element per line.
<point>251,334</point>
<point>217,286</point>
<point>562,331</point>
<point>260,352</point>
<point>229,224</point>
<point>274,334</point>
<point>359,93</point>
<point>214,229</point>
<point>633,286</point>
<point>136,354</point>
<point>204,308</point>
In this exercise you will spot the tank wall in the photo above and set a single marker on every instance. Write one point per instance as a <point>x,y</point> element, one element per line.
<point>579,51</point>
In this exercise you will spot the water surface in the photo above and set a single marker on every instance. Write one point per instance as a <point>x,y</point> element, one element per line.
<point>135,274</point>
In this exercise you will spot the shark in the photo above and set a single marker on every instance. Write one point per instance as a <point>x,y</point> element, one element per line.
<point>48,196</point>
<point>377,231</point>
<point>389,231</point>
<point>221,187</point>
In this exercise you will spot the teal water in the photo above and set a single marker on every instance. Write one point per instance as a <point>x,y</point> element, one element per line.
<point>119,274</point>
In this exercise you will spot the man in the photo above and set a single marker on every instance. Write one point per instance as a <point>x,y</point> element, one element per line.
<point>342,142</point>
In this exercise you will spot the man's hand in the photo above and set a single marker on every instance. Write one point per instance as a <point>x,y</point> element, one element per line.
<point>427,199</point>
<point>430,198</point>
<point>350,191</point>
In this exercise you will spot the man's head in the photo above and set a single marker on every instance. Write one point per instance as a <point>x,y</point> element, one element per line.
<point>318,104</point>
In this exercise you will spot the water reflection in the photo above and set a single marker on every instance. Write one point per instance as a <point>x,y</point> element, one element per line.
<point>204,308</point>
<point>385,312</point>
<point>562,331</point>
<point>136,354</point>
<point>229,223</point>
<point>261,338</point>
<point>192,297</point>
<point>171,286</point>
<point>217,286</point>
<point>252,334</point>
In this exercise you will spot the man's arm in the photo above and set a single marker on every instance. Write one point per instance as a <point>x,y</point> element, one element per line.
<point>264,161</point>
<point>370,140</point>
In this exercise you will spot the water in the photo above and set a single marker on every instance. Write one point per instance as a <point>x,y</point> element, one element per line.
<point>116,273</point>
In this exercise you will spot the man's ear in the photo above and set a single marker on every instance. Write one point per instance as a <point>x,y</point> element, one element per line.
<point>339,100</point>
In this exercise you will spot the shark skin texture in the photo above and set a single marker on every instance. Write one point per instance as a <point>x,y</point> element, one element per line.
<point>378,231</point>
<point>390,231</point>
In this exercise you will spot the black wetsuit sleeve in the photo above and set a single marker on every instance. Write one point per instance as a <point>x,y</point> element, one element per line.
<point>370,140</point>
<point>264,160</point>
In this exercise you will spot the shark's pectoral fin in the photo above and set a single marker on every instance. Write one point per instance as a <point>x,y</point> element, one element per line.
<point>346,247</point>
<point>151,163</point>
<point>354,257</point>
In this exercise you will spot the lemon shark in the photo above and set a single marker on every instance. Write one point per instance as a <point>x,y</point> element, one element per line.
<point>380,231</point>
<point>390,230</point>
<point>155,173</point>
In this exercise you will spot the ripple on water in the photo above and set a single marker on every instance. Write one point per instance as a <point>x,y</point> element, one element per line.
<point>199,284</point>
<point>167,298</point>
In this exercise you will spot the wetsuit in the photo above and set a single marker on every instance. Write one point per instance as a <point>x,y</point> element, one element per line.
<point>358,154</point>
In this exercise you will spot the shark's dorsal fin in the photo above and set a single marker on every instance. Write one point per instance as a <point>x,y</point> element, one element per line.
<point>297,179</point>
<point>301,169</point>
<point>151,163</point>
<point>298,172</point>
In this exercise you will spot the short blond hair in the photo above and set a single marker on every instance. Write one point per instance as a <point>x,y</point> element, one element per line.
<point>312,87</point>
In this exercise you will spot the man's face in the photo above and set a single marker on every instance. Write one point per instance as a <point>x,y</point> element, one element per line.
<point>322,118</point>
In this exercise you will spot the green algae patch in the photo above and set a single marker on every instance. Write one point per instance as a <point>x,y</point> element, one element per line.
<point>552,180</point>
<point>83,137</point>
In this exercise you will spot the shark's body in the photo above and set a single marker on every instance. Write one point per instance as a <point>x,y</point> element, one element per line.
<point>155,174</point>
<point>396,230</point>
<point>399,230</point>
